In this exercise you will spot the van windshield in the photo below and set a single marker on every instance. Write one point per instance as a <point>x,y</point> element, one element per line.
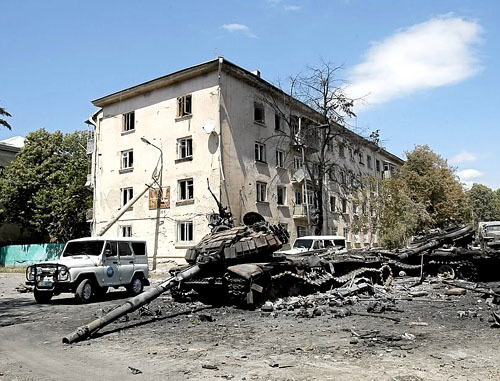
<point>302,244</point>
<point>339,242</point>
<point>83,248</point>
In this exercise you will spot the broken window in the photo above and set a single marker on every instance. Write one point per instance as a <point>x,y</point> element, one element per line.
<point>185,189</point>
<point>259,113</point>
<point>261,192</point>
<point>260,152</point>
<point>369,161</point>
<point>277,123</point>
<point>342,150</point>
<point>280,158</point>
<point>127,195</point>
<point>298,197</point>
<point>126,231</point>
<point>377,165</point>
<point>361,158</point>
<point>127,159</point>
<point>184,148</point>
<point>297,162</point>
<point>281,195</point>
<point>346,232</point>
<point>128,121</point>
<point>332,203</point>
<point>184,105</point>
<point>301,231</point>
<point>185,231</point>
<point>344,205</point>
<point>329,145</point>
<point>351,154</point>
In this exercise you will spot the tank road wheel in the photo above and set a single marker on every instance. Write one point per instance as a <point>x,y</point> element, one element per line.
<point>43,297</point>
<point>136,286</point>
<point>446,272</point>
<point>467,271</point>
<point>85,291</point>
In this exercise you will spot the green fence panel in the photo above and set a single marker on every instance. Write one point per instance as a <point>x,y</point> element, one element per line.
<point>24,255</point>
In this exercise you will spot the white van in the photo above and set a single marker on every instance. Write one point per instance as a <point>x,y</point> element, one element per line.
<point>89,266</point>
<point>317,242</point>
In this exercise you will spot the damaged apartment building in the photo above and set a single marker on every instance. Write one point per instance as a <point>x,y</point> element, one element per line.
<point>210,124</point>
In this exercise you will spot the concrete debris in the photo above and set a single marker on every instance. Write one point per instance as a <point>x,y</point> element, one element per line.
<point>455,291</point>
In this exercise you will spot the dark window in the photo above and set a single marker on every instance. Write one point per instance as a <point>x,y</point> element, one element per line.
<point>184,105</point>
<point>139,248</point>
<point>277,122</point>
<point>124,249</point>
<point>128,121</point>
<point>259,113</point>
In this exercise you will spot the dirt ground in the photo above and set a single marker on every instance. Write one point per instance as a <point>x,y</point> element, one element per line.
<point>437,337</point>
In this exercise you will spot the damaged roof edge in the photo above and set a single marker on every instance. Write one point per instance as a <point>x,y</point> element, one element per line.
<point>226,66</point>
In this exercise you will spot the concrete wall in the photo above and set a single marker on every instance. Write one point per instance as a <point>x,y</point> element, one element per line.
<point>156,120</point>
<point>242,172</point>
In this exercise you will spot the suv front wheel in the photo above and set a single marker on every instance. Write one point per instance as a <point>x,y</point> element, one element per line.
<point>136,286</point>
<point>85,291</point>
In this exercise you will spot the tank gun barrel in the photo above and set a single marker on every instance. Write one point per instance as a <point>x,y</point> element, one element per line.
<point>131,305</point>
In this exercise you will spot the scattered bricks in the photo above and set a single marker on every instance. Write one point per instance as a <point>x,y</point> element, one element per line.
<point>455,291</point>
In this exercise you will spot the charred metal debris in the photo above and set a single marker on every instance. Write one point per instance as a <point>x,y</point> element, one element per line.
<point>241,266</point>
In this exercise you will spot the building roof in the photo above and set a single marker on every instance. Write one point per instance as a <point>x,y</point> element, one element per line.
<point>13,144</point>
<point>221,64</point>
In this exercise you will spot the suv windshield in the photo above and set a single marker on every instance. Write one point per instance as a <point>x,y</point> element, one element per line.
<point>83,248</point>
<point>492,229</point>
<point>302,244</point>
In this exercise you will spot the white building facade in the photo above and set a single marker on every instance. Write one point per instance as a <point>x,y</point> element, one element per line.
<point>209,123</point>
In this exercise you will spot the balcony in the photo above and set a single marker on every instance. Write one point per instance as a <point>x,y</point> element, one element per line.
<point>300,211</point>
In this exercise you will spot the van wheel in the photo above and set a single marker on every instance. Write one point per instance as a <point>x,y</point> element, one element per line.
<point>85,291</point>
<point>136,286</point>
<point>43,297</point>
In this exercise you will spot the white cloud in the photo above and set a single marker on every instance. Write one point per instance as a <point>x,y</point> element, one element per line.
<point>239,28</point>
<point>469,174</point>
<point>463,157</point>
<point>435,53</point>
<point>292,8</point>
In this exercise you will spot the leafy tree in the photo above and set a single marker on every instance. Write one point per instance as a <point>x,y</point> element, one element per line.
<point>485,203</point>
<point>44,190</point>
<point>3,122</point>
<point>433,183</point>
<point>399,216</point>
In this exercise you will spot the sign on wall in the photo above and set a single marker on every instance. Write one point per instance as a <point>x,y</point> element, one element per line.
<point>165,198</point>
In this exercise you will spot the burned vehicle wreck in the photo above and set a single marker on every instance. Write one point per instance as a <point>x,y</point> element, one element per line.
<point>242,266</point>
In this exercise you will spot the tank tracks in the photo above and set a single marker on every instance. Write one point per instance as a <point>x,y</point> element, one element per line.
<point>464,269</point>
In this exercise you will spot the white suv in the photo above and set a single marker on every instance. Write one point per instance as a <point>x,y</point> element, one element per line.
<point>317,242</point>
<point>88,266</point>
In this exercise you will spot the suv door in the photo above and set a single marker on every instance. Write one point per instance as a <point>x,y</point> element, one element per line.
<point>127,261</point>
<point>111,264</point>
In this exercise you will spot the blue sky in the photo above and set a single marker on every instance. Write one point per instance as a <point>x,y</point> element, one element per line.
<point>429,70</point>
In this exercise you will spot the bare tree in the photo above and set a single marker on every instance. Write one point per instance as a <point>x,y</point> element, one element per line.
<point>316,111</point>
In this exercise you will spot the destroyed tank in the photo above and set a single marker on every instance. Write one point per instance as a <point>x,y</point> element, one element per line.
<point>241,266</point>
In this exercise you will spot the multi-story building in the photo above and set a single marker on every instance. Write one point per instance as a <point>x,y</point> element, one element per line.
<point>210,123</point>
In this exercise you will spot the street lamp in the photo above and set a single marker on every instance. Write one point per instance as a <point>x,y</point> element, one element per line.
<point>158,200</point>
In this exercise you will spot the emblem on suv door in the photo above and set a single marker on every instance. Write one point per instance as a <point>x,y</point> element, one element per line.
<point>110,272</point>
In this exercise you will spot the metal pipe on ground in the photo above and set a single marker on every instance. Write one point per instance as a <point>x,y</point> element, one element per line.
<point>131,305</point>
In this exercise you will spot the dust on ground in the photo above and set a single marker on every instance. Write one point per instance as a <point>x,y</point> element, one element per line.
<point>432,336</point>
